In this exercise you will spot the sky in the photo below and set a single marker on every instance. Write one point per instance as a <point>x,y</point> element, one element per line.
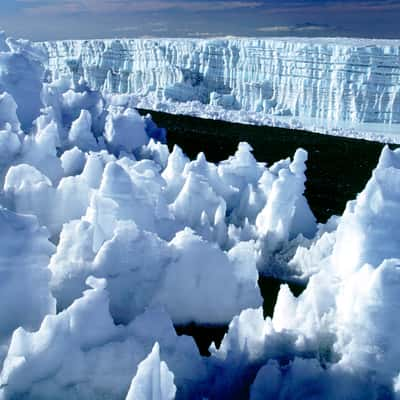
<point>87,19</point>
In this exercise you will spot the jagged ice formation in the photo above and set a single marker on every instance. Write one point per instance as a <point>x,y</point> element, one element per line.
<point>339,86</point>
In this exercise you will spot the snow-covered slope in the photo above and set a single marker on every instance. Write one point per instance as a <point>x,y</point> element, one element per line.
<point>108,238</point>
<point>340,86</point>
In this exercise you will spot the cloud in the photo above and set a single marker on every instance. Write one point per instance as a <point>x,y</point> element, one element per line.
<point>45,19</point>
<point>56,7</point>
<point>122,29</point>
<point>277,28</point>
<point>358,6</point>
<point>190,34</point>
<point>68,7</point>
<point>299,28</point>
<point>341,6</point>
<point>153,27</point>
<point>126,6</point>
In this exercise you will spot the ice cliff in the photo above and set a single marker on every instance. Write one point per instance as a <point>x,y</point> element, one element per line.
<point>340,86</point>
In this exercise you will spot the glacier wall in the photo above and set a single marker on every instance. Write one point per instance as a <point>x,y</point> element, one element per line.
<point>334,80</point>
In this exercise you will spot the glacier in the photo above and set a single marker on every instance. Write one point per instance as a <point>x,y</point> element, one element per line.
<point>111,240</point>
<point>348,87</point>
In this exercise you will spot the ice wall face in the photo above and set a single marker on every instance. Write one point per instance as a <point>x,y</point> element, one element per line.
<point>335,80</point>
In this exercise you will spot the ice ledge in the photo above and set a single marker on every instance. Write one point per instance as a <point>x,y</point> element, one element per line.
<point>341,86</point>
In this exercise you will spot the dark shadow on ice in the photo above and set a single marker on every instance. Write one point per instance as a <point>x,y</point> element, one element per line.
<point>269,288</point>
<point>203,335</point>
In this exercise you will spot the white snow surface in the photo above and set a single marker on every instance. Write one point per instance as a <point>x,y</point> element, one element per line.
<point>338,86</point>
<point>153,380</point>
<point>108,239</point>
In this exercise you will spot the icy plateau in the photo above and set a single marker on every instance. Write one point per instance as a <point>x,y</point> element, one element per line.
<point>109,239</point>
<point>338,86</point>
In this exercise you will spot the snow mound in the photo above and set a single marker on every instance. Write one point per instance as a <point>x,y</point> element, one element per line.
<point>338,337</point>
<point>25,252</point>
<point>81,354</point>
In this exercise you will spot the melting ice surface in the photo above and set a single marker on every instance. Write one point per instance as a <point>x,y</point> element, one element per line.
<point>338,86</point>
<point>109,239</point>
